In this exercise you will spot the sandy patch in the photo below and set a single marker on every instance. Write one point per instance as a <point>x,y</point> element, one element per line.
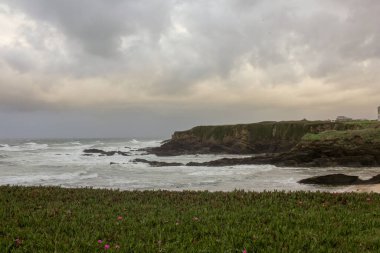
<point>364,188</point>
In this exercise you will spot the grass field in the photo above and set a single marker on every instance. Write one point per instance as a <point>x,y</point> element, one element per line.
<point>52,219</point>
<point>368,134</point>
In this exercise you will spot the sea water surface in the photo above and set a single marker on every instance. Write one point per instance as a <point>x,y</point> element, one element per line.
<point>63,163</point>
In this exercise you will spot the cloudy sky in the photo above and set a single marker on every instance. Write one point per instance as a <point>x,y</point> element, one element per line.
<point>124,68</point>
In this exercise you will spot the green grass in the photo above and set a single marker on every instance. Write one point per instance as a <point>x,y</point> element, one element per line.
<point>363,123</point>
<point>367,134</point>
<point>283,130</point>
<point>51,219</point>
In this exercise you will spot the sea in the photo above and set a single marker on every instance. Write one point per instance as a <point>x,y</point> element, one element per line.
<point>62,162</point>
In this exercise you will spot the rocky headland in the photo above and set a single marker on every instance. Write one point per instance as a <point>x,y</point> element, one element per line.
<point>292,143</point>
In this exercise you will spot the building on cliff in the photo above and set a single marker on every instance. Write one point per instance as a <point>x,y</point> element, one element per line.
<point>343,118</point>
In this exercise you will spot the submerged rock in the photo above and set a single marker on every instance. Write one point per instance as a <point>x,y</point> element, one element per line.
<point>156,163</point>
<point>339,179</point>
<point>105,153</point>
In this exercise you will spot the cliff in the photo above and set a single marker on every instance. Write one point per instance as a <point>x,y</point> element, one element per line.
<point>349,148</point>
<point>263,137</point>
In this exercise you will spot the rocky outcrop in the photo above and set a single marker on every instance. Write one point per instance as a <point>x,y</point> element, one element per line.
<point>156,163</point>
<point>355,148</point>
<point>256,138</point>
<point>340,179</point>
<point>88,152</point>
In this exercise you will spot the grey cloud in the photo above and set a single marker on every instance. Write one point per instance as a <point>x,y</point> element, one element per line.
<point>16,59</point>
<point>162,50</point>
<point>98,25</point>
<point>221,32</point>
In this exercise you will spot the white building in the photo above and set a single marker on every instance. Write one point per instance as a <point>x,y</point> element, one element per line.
<point>343,118</point>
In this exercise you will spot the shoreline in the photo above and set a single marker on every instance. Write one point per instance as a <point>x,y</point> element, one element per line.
<point>368,189</point>
<point>363,189</point>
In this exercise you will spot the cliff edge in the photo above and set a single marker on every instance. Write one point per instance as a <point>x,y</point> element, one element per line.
<point>255,138</point>
<point>348,148</point>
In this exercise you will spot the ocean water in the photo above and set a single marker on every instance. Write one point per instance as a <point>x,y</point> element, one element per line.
<point>63,163</point>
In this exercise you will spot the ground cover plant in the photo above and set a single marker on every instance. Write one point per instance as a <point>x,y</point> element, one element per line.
<point>53,219</point>
<point>370,135</point>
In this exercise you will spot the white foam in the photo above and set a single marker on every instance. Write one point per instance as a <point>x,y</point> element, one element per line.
<point>57,178</point>
<point>218,172</point>
<point>29,146</point>
<point>143,144</point>
<point>75,143</point>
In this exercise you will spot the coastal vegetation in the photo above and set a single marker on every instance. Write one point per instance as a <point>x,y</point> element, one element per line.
<point>369,134</point>
<point>53,219</point>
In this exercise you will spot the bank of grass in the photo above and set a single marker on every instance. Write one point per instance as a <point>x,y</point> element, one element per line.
<point>51,219</point>
<point>367,134</point>
<point>271,130</point>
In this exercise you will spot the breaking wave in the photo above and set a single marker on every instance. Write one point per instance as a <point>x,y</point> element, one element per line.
<point>56,178</point>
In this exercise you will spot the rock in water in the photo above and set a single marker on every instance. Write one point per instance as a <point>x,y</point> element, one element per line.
<point>339,179</point>
<point>333,179</point>
<point>156,163</point>
<point>105,153</point>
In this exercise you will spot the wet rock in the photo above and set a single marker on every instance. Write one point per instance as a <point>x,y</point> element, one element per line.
<point>263,159</point>
<point>105,153</point>
<point>313,154</point>
<point>333,179</point>
<point>339,179</point>
<point>156,163</point>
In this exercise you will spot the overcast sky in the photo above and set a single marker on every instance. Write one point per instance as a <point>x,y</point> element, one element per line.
<point>123,68</point>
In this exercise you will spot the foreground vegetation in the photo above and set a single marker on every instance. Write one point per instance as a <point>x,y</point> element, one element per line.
<point>52,219</point>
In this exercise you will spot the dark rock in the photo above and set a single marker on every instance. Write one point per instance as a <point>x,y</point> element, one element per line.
<point>339,179</point>
<point>105,153</point>
<point>94,151</point>
<point>314,154</point>
<point>333,179</point>
<point>373,180</point>
<point>112,163</point>
<point>156,163</point>
<point>296,158</point>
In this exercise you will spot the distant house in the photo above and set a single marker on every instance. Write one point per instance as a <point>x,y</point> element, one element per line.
<point>343,118</point>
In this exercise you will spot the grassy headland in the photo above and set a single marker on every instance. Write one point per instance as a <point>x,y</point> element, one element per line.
<point>51,219</point>
<point>262,137</point>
